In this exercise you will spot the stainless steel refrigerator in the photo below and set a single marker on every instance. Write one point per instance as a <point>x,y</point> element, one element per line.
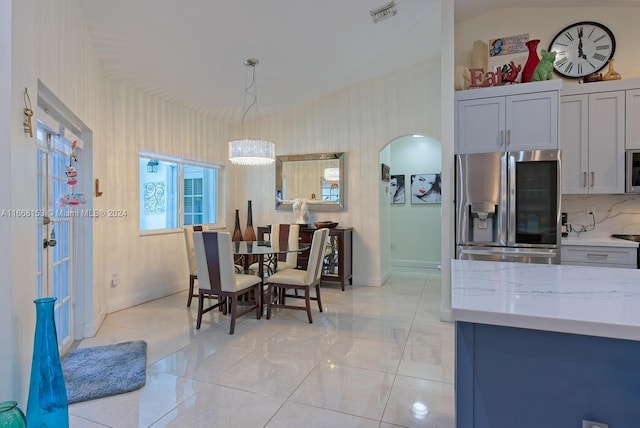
<point>508,206</point>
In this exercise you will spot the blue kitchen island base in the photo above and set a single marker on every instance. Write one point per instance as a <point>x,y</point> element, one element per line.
<point>509,377</point>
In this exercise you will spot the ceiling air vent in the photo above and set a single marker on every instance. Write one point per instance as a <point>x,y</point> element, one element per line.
<point>383,12</point>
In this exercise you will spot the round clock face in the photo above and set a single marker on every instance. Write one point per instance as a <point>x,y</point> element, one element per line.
<point>582,48</point>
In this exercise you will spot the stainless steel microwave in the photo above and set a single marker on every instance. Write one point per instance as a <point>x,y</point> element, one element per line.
<point>632,178</point>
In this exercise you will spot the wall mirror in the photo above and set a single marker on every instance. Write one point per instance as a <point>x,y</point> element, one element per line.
<point>317,177</point>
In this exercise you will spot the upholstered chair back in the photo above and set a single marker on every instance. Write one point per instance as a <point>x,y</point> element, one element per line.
<point>214,259</point>
<point>287,233</point>
<point>191,252</point>
<point>316,255</point>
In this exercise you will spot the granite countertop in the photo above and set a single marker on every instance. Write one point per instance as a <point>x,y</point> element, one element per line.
<point>593,301</point>
<point>602,241</point>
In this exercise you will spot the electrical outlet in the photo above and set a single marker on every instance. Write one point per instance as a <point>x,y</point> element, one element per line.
<point>590,210</point>
<point>115,280</point>
<point>592,424</point>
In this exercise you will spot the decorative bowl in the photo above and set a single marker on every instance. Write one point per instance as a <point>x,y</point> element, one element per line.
<point>327,224</point>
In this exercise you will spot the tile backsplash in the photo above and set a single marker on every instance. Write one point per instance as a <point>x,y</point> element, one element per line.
<point>614,213</point>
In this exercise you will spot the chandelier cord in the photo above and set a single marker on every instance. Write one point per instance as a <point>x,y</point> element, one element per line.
<point>254,95</point>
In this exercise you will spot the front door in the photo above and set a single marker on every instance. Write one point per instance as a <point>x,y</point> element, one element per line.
<point>54,244</point>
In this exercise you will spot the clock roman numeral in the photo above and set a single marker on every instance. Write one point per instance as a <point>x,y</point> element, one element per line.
<point>562,62</point>
<point>569,67</point>
<point>591,33</point>
<point>579,68</point>
<point>602,47</point>
<point>599,38</point>
<point>568,36</point>
<point>599,57</point>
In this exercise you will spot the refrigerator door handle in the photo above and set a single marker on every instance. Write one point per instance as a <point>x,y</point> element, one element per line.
<point>584,179</point>
<point>511,204</point>
<point>502,138</point>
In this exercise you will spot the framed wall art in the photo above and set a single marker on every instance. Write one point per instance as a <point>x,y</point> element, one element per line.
<point>386,172</point>
<point>396,189</point>
<point>425,189</point>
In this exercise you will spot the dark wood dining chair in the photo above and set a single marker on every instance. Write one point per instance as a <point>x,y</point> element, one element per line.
<point>217,277</point>
<point>298,279</point>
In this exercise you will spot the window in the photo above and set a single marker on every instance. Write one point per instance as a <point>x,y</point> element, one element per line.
<point>175,192</point>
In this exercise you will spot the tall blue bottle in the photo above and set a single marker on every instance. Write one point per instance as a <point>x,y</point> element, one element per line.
<point>47,405</point>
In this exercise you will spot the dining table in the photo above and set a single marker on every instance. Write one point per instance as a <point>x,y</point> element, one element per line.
<point>247,252</point>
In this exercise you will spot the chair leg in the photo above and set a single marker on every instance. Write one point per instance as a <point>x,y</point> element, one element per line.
<point>269,299</point>
<point>307,301</point>
<point>200,309</point>
<point>234,313</point>
<point>258,295</point>
<point>318,296</point>
<point>192,279</point>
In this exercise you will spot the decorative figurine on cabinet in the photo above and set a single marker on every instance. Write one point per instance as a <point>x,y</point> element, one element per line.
<point>544,69</point>
<point>611,74</point>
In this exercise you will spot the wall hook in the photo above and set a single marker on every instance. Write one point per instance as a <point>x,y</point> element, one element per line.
<point>97,191</point>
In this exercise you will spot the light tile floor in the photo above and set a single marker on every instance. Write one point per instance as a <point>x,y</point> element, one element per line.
<point>364,362</point>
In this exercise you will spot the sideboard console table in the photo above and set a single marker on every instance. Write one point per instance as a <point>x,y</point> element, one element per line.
<point>337,265</point>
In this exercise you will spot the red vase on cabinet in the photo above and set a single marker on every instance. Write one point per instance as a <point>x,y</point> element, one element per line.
<point>532,61</point>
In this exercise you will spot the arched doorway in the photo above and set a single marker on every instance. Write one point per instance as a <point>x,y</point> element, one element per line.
<point>413,200</point>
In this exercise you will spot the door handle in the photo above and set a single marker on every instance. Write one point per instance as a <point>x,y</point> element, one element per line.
<point>593,178</point>
<point>584,179</point>
<point>508,137</point>
<point>501,138</point>
<point>50,242</point>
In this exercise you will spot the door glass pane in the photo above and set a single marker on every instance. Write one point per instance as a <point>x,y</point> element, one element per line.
<point>536,202</point>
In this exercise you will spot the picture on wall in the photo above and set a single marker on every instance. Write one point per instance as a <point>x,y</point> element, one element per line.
<point>396,189</point>
<point>425,189</point>
<point>386,170</point>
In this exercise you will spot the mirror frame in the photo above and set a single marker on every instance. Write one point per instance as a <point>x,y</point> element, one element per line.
<point>340,156</point>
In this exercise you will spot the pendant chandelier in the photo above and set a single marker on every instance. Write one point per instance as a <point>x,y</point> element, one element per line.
<point>249,151</point>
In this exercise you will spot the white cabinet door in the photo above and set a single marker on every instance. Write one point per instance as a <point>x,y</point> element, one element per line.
<point>633,119</point>
<point>592,142</point>
<point>574,143</point>
<point>532,121</point>
<point>480,125</point>
<point>513,122</point>
<point>606,142</point>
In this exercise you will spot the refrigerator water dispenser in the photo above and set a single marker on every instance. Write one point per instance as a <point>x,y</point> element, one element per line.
<point>482,215</point>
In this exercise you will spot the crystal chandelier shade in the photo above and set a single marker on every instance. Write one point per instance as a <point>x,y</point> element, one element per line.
<point>252,152</point>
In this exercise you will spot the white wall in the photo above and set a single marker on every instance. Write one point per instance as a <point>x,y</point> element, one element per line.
<point>415,229</point>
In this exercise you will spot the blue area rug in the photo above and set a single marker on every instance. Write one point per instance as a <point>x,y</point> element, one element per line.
<point>101,371</point>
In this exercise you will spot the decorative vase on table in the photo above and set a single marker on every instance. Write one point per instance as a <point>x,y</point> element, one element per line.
<point>11,416</point>
<point>532,61</point>
<point>249,232</point>
<point>237,232</point>
<point>47,405</point>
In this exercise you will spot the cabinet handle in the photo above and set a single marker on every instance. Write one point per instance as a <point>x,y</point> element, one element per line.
<point>584,179</point>
<point>508,137</point>
<point>593,178</point>
<point>501,138</point>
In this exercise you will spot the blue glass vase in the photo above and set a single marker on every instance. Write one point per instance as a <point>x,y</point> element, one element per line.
<point>47,405</point>
<point>11,416</point>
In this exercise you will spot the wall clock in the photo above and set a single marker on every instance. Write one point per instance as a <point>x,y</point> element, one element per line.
<point>582,48</point>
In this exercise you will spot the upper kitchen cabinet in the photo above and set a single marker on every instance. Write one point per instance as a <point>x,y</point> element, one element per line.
<point>508,118</point>
<point>592,139</point>
<point>633,119</point>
